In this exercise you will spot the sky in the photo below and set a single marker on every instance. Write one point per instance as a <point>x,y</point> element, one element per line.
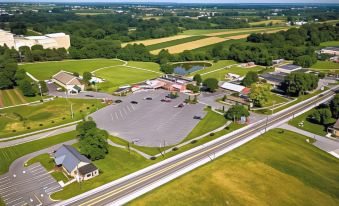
<point>186,1</point>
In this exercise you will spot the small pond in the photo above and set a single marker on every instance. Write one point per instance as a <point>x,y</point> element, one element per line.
<point>189,67</point>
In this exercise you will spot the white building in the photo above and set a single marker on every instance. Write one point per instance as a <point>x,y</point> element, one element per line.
<point>288,68</point>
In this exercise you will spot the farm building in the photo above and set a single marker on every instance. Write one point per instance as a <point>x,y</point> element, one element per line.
<point>75,164</point>
<point>238,100</point>
<point>235,88</point>
<point>248,65</point>
<point>333,50</point>
<point>71,83</point>
<point>48,41</point>
<point>288,68</point>
<point>232,76</point>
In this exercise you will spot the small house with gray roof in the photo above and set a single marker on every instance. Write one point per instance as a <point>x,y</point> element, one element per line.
<point>68,81</point>
<point>75,164</point>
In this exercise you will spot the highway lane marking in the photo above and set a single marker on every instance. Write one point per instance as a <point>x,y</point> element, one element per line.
<point>147,177</point>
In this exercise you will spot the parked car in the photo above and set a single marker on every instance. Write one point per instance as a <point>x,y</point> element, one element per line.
<point>148,98</point>
<point>196,117</point>
<point>134,102</point>
<point>89,95</point>
<point>165,100</point>
<point>118,101</point>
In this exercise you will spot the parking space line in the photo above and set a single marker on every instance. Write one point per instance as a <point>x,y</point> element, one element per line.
<point>121,114</point>
<point>116,115</point>
<point>52,188</point>
<point>8,194</point>
<point>32,167</point>
<point>128,108</point>
<point>22,203</point>
<point>14,200</point>
<point>6,177</point>
<point>133,107</point>
<point>124,110</point>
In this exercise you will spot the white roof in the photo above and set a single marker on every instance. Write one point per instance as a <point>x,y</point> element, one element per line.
<point>56,34</point>
<point>35,37</point>
<point>232,87</point>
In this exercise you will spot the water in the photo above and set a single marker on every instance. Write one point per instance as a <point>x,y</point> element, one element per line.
<point>187,68</point>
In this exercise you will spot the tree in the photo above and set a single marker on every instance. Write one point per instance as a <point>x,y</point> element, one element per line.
<point>197,78</point>
<point>305,60</point>
<point>260,94</point>
<point>76,74</point>
<point>44,88</point>
<point>167,69</point>
<point>5,82</point>
<point>334,105</point>
<point>193,88</point>
<point>236,112</point>
<point>211,84</point>
<point>87,76</point>
<point>297,83</point>
<point>26,87</point>
<point>250,78</point>
<point>322,116</point>
<point>18,28</point>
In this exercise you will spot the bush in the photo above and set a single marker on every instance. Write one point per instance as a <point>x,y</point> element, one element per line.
<point>175,148</point>
<point>13,130</point>
<point>63,118</point>
<point>52,121</point>
<point>212,134</point>
<point>194,141</point>
<point>153,158</point>
<point>87,107</point>
<point>41,125</point>
<point>28,127</point>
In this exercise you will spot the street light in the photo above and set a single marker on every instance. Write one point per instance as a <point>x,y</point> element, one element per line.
<point>39,85</point>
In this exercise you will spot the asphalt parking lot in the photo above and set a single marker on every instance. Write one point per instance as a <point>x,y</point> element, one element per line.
<point>150,122</point>
<point>30,186</point>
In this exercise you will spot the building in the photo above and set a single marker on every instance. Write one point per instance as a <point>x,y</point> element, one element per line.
<point>238,100</point>
<point>68,81</point>
<point>232,76</point>
<point>75,164</point>
<point>278,61</point>
<point>48,41</point>
<point>334,130</point>
<point>248,65</point>
<point>122,91</point>
<point>274,78</point>
<point>333,50</point>
<point>288,68</point>
<point>235,88</point>
<point>174,83</point>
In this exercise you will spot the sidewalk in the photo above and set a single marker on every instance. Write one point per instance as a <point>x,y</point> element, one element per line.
<point>323,143</point>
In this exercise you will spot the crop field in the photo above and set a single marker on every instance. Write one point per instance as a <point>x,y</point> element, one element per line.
<point>124,75</point>
<point>174,42</point>
<point>45,70</point>
<point>225,44</point>
<point>156,41</point>
<point>286,170</point>
<point>325,66</point>
<point>11,97</point>
<point>273,21</point>
<point>191,45</point>
<point>23,119</point>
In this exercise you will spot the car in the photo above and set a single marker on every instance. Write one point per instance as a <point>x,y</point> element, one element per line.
<point>163,100</point>
<point>134,102</point>
<point>148,98</point>
<point>180,105</point>
<point>167,100</point>
<point>196,117</point>
<point>118,101</point>
<point>89,95</point>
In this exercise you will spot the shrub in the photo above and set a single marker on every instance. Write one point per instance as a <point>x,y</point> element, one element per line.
<point>13,130</point>
<point>64,118</point>
<point>28,127</point>
<point>212,134</point>
<point>41,125</point>
<point>194,141</point>
<point>153,158</point>
<point>175,148</point>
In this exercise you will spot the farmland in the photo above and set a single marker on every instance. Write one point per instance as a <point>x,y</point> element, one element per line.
<point>266,22</point>
<point>157,41</point>
<point>11,97</point>
<point>174,42</point>
<point>285,160</point>
<point>45,70</point>
<point>23,119</point>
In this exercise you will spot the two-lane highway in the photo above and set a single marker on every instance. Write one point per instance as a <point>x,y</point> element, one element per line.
<point>142,180</point>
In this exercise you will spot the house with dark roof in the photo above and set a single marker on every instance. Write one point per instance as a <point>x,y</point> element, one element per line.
<point>68,81</point>
<point>274,78</point>
<point>75,164</point>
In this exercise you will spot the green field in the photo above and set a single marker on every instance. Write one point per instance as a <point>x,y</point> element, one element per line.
<point>273,21</point>
<point>308,125</point>
<point>23,119</point>
<point>285,170</point>
<point>275,99</point>
<point>250,32</point>
<point>325,65</point>
<point>329,43</point>
<point>117,163</point>
<point>216,65</point>
<point>220,74</point>
<point>45,160</point>
<point>11,97</point>
<point>9,154</point>
<point>45,70</point>
<point>174,42</point>
<point>145,65</point>
<point>121,75</point>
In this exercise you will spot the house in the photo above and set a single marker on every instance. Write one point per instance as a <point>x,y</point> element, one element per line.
<point>75,164</point>
<point>334,130</point>
<point>122,90</point>
<point>232,76</point>
<point>68,81</point>
<point>335,59</point>
<point>248,65</point>
<point>274,78</point>
<point>333,50</point>
<point>235,88</point>
<point>288,68</point>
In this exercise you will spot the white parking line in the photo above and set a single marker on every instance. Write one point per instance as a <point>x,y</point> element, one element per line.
<point>20,203</point>
<point>5,191</point>
<point>116,115</point>
<point>121,114</point>
<point>32,167</point>
<point>133,107</point>
<point>124,111</point>
<point>4,177</point>
<point>14,200</point>
<point>128,108</point>
<point>52,188</point>
<point>8,194</point>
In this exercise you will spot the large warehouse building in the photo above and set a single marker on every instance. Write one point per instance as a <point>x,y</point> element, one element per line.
<point>48,41</point>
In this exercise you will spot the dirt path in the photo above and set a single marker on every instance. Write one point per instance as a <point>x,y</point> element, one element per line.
<point>22,99</point>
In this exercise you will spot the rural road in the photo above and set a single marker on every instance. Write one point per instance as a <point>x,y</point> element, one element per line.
<point>127,188</point>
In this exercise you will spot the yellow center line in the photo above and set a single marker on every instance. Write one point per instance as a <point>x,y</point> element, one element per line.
<point>147,177</point>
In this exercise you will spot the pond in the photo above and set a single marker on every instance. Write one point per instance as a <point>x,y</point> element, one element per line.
<point>189,67</point>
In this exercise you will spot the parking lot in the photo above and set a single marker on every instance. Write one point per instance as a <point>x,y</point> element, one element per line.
<point>30,186</point>
<point>149,122</point>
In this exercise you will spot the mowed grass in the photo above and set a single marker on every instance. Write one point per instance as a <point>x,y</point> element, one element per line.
<point>121,75</point>
<point>174,42</point>
<point>220,74</point>
<point>273,21</point>
<point>44,159</point>
<point>45,70</point>
<point>117,163</point>
<point>275,99</point>
<point>215,66</point>
<point>24,119</point>
<point>278,168</point>
<point>225,44</point>
<point>9,154</point>
<point>12,97</point>
<point>329,43</point>
<point>325,65</point>
<point>252,31</point>
<point>308,125</point>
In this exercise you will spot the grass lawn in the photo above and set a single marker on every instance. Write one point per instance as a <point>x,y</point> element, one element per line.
<point>120,75</point>
<point>286,170</point>
<point>210,122</point>
<point>9,154</point>
<point>275,99</point>
<point>116,164</point>
<point>174,42</point>
<point>325,65</point>
<point>215,66</point>
<point>220,75</point>
<point>253,31</point>
<point>45,160</point>
<point>23,119</point>
<point>11,97</point>
<point>329,43</point>
<point>59,176</point>
<point>145,65</point>
<point>308,125</point>
<point>45,70</point>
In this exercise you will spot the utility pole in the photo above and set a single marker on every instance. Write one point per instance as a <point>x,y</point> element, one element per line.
<point>39,85</point>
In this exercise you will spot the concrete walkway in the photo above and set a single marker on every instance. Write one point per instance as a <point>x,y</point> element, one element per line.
<point>323,143</point>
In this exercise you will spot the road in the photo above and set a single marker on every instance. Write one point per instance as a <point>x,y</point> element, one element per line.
<point>113,194</point>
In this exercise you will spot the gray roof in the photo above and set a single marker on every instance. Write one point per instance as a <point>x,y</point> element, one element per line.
<point>290,67</point>
<point>69,157</point>
<point>87,169</point>
<point>333,48</point>
<point>274,77</point>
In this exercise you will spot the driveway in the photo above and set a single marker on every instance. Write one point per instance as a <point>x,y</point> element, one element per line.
<point>150,122</point>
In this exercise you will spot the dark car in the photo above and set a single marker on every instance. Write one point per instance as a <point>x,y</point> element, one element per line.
<point>134,102</point>
<point>118,101</point>
<point>163,100</point>
<point>196,117</point>
<point>181,105</point>
<point>89,95</point>
<point>148,98</point>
